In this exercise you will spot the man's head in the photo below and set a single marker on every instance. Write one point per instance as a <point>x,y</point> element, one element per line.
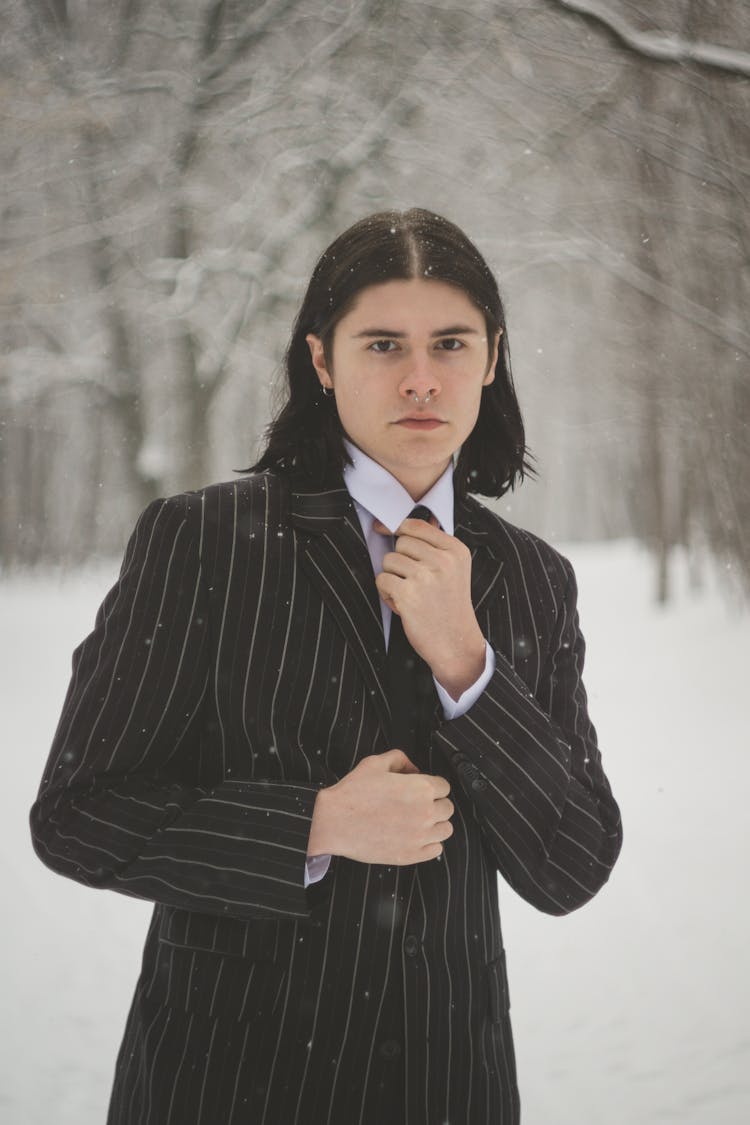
<point>407,364</point>
<point>355,275</point>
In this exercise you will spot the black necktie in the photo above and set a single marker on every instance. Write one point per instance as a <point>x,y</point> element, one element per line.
<point>411,690</point>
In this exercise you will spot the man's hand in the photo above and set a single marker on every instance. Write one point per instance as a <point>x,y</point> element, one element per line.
<point>383,811</point>
<point>426,580</point>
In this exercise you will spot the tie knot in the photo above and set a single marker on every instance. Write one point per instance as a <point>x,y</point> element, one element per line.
<point>420,513</point>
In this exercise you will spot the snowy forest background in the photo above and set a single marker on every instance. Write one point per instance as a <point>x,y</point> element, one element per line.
<point>169,172</point>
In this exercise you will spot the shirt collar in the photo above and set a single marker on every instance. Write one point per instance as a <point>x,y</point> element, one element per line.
<point>386,499</point>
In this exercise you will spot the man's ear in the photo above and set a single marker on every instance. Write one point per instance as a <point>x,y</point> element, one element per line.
<point>315,344</point>
<point>489,377</point>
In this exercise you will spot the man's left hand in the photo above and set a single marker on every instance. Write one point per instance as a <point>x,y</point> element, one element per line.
<point>426,580</point>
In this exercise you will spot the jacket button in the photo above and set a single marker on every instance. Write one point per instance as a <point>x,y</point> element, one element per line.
<point>390,1049</point>
<point>479,783</point>
<point>411,945</point>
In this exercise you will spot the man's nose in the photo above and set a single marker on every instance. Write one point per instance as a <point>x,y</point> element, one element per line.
<point>422,377</point>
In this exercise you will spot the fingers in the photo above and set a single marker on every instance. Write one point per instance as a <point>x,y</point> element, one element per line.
<point>440,786</point>
<point>401,564</point>
<point>443,809</point>
<point>411,547</point>
<point>389,586</point>
<point>443,830</point>
<point>380,527</point>
<point>408,548</point>
<point>440,832</point>
<point>436,848</point>
<point>417,539</point>
<point>414,527</point>
<point>397,762</point>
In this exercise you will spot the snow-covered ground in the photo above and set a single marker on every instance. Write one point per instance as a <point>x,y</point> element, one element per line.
<point>634,1010</point>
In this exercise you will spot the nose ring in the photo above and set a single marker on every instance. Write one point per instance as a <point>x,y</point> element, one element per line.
<point>416,396</point>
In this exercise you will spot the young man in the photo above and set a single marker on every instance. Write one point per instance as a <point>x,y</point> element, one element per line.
<point>290,677</point>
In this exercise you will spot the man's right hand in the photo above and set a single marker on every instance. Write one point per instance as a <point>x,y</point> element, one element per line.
<point>383,811</point>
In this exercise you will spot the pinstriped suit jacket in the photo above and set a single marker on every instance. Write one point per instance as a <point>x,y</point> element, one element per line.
<point>235,668</point>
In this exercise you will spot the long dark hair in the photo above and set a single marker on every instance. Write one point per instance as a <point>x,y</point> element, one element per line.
<point>306,436</point>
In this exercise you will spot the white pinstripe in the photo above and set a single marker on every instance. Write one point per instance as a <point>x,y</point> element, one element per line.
<point>225,610</point>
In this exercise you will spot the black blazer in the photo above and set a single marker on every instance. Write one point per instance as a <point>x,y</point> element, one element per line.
<point>235,668</point>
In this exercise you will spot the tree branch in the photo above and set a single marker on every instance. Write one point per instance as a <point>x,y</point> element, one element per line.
<point>732,335</point>
<point>664,48</point>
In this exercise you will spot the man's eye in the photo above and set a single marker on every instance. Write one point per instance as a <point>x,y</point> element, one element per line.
<point>382,346</point>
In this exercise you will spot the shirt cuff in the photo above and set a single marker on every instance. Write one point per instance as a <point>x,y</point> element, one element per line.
<point>315,868</point>
<point>454,708</point>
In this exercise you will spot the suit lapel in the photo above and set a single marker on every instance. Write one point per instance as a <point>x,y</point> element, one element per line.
<point>474,527</point>
<point>335,558</point>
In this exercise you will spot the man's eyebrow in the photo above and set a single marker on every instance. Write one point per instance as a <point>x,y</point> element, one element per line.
<point>381,333</point>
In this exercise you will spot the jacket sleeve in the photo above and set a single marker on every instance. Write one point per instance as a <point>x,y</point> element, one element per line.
<point>531,768</point>
<point>134,796</point>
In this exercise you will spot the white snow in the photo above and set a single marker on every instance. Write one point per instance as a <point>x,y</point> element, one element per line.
<point>631,1011</point>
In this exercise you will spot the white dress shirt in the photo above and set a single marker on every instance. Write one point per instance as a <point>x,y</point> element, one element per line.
<point>378,495</point>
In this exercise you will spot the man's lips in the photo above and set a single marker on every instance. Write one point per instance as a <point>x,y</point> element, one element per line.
<point>420,422</point>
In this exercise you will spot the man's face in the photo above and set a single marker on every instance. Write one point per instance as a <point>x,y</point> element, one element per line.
<point>403,338</point>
